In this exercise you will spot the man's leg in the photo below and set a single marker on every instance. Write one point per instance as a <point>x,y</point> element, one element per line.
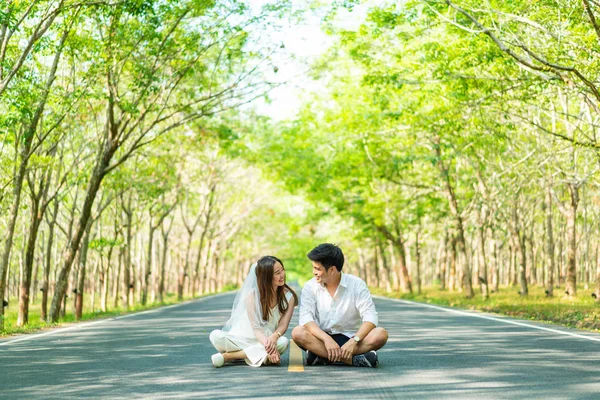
<point>375,340</point>
<point>308,341</point>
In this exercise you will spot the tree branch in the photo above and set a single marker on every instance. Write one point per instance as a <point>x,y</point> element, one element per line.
<point>588,9</point>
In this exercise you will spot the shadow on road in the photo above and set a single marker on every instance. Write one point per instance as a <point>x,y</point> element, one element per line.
<point>430,354</point>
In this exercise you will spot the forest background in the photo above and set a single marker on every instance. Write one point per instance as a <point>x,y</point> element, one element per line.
<point>449,147</point>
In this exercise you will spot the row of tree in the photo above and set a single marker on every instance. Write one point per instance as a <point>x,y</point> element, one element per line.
<point>461,132</point>
<point>113,182</point>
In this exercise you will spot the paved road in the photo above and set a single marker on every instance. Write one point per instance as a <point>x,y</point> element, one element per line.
<point>432,353</point>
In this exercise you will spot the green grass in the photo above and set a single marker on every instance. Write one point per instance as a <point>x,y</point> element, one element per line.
<point>581,312</point>
<point>36,324</point>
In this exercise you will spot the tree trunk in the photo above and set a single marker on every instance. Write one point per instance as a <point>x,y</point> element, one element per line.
<point>418,262</point>
<point>405,282</point>
<point>205,273</point>
<point>520,244</point>
<point>36,271</point>
<point>549,243</point>
<point>494,261</point>
<point>127,291</point>
<point>27,141</point>
<point>596,293</point>
<point>371,281</point>
<point>163,265</point>
<point>394,270</point>
<point>83,252</point>
<point>48,262</point>
<point>93,284</point>
<point>34,224</point>
<point>532,276</point>
<point>362,267</point>
<point>571,282</point>
<point>384,270</point>
<point>483,268</point>
<point>9,232</point>
<point>214,260</point>
<point>105,281</point>
<point>452,269</point>
<point>184,271</point>
<point>376,277</point>
<point>560,258</point>
<point>148,265</point>
<point>200,276</point>
<point>460,233</point>
<point>69,255</point>
<point>441,261</point>
<point>117,279</point>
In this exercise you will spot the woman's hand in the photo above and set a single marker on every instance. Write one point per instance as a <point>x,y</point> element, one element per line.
<point>274,358</point>
<point>270,344</point>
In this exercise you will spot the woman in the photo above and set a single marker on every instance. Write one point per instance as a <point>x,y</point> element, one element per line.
<point>261,313</point>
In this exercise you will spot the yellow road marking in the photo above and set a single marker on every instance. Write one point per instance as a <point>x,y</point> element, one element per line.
<point>296,364</point>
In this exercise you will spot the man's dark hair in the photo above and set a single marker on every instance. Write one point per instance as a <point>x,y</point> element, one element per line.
<point>329,255</point>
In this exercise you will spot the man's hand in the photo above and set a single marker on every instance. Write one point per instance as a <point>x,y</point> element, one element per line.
<point>348,349</point>
<point>334,353</point>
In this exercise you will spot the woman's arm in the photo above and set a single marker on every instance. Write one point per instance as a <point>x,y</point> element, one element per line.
<point>254,319</point>
<point>284,321</point>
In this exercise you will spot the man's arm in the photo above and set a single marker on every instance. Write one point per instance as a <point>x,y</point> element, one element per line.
<point>365,306</point>
<point>334,352</point>
<point>317,332</point>
<point>368,314</point>
<point>348,349</point>
<point>308,306</point>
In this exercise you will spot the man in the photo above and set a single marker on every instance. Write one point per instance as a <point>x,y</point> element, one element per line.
<point>338,321</point>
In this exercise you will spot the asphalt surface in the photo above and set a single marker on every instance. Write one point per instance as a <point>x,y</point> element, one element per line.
<point>432,353</point>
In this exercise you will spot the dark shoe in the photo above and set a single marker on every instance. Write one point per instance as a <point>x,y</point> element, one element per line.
<point>369,360</point>
<point>313,359</point>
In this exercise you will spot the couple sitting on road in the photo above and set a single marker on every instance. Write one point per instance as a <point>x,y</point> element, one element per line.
<point>337,316</point>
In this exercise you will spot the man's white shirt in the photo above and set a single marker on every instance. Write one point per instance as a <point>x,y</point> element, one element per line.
<point>344,312</point>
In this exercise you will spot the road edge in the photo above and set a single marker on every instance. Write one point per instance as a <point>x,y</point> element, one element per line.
<point>65,327</point>
<point>501,318</point>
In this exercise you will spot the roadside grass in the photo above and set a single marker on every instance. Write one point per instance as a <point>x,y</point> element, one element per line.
<point>581,312</point>
<point>36,324</point>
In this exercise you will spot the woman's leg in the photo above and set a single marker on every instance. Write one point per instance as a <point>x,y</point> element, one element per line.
<point>222,343</point>
<point>226,347</point>
<point>282,344</point>
<point>234,355</point>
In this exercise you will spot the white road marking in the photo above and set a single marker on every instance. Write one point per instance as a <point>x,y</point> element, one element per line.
<point>489,317</point>
<point>87,325</point>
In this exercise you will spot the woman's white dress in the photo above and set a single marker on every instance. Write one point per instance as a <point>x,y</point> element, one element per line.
<point>241,337</point>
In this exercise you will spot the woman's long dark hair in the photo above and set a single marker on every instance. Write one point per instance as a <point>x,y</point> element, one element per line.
<point>265,267</point>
